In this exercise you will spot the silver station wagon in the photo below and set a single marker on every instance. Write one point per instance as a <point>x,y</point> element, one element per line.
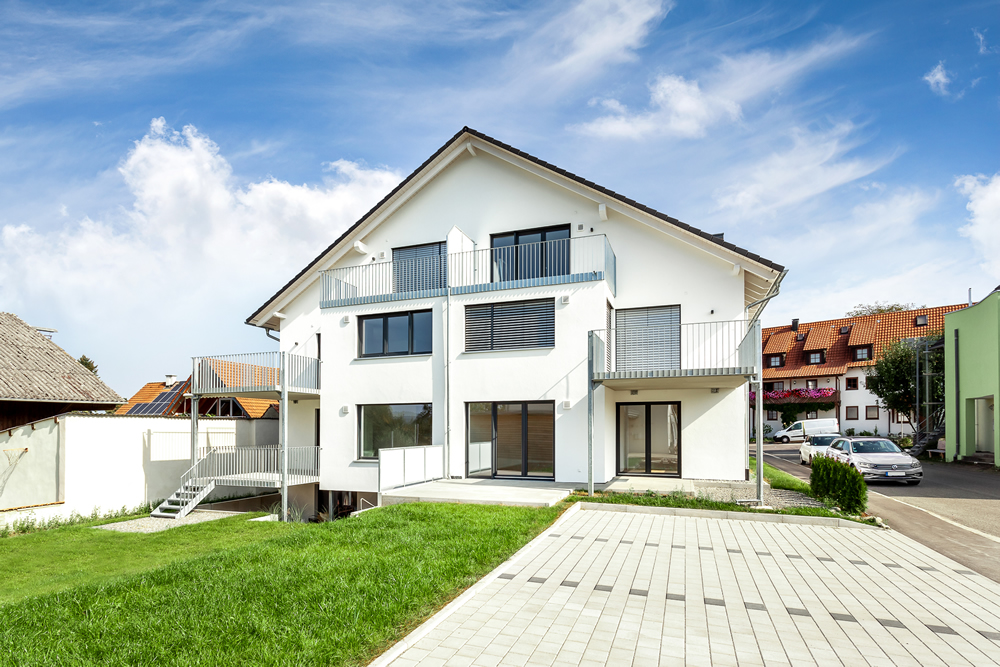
<point>877,459</point>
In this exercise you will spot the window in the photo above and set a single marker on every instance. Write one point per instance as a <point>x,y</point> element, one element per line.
<point>851,383</point>
<point>861,354</point>
<point>779,386</point>
<point>852,413</point>
<point>420,267</point>
<point>844,330</point>
<point>811,415</point>
<point>532,253</point>
<point>814,357</point>
<point>511,325</point>
<point>385,426</point>
<point>396,334</point>
<point>772,415</point>
<point>871,412</point>
<point>774,360</point>
<point>812,384</point>
<point>800,337</point>
<point>920,321</point>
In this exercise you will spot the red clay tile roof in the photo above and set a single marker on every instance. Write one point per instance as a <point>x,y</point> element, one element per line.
<point>149,392</point>
<point>256,407</point>
<point>818,338</point>
<point>779,342</point>
<point>875,330</point>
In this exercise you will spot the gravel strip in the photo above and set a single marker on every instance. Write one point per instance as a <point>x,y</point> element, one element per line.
<point>776,498</point>
<point>152,524</point>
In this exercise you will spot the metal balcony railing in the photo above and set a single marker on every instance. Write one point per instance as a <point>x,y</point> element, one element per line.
<point>254,372</point>
<point>254,466</point>
<point>581,259</point>
<point>696,349</point>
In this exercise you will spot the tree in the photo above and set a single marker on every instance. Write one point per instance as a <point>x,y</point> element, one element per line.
<point>893,377</point>
<point>878,307</point>
<point>88,363</point>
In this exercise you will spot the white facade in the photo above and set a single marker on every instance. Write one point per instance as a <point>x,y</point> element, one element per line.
<point>463,198</point>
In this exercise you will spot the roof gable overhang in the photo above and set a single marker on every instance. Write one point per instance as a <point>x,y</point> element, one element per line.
<point>759,273</point>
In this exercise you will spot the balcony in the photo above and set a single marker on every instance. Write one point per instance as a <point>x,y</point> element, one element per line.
<point>710,354</point>
<point>581,259</point>
<point>257,374</point>
<point>258,467</point>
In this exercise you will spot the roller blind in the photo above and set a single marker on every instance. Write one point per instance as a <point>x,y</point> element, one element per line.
<point>510,326</point>
<point>648,339</point>
<point>420,267</point>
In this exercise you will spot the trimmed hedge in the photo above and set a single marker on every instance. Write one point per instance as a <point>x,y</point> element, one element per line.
<point>839,482</point>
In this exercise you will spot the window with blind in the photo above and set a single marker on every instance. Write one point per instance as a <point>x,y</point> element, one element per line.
<point>648,339</point>
<point>512,325</point>
<point>420,267</point>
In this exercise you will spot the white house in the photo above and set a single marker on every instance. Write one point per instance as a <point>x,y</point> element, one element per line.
<point>461,327</point>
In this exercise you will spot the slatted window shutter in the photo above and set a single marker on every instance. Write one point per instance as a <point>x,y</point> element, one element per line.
<point>510,325</point>
<point>648,339</point>
<point>420,267</point>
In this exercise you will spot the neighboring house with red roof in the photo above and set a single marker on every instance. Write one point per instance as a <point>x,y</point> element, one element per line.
<point>171,397</point>
<point>832,355</point>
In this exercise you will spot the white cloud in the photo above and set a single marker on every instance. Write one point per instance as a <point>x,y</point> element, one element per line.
<point>191,258</point>
<point>938,79</point>
<point>980,36</point>
<point>984,222</point>
<point>679,106</point>
<point>816,162</point>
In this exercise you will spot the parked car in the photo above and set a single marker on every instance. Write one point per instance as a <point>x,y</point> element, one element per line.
<point>815,445</point>
<point>806,427</point>
<point>877,458</point>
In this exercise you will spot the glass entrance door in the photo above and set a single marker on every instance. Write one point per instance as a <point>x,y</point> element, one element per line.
<point>649,438</point>
<point>511,439</point>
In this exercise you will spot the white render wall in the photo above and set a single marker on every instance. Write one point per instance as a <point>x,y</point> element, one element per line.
<point>100,462</point>
<point>471,199</point>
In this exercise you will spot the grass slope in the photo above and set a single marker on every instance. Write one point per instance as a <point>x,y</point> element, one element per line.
<point>779,479</point>
<point>334,593</point>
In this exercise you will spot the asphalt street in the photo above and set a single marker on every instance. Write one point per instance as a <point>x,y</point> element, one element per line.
<point>955,510</point>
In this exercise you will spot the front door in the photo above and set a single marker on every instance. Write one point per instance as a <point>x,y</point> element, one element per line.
<point>649,439</point>
<point>511,439</point>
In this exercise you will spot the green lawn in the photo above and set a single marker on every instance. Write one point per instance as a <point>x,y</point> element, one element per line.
<point>778,479</point>
<point>235,592</point>
<point>678,499</point>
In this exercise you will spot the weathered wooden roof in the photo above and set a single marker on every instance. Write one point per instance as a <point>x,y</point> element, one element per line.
<point>33,368</point>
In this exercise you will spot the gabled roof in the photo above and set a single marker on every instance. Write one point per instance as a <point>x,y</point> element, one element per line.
<point>33,368</point>
<point>818,338</point>
<point>779,342</point>
<point>254,407</point>
<point>875,330</point>
<point>464,135</point>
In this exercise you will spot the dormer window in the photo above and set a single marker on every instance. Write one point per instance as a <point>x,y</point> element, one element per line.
<point>920,321</point>
<point>774,361</point>
<point>800,337</point>
<point>862,354</point>
<point>815,357</point>
<point>844,330</point>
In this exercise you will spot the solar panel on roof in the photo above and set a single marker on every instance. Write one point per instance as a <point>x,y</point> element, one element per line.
<point>137,409</point>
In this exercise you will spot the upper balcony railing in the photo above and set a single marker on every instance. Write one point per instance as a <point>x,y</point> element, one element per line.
<point>581,259</point>
<point>680,350</point>
<point>254,372</point>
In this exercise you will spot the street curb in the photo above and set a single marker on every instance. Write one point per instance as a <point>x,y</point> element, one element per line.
<point>430,624</point>
<point>827,521</point>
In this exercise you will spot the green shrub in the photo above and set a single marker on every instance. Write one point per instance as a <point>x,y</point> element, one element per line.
<point>849,432</point>
<point>840,483</point>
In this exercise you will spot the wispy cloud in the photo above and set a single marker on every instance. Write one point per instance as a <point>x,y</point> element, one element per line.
<point>686,107</point>
<point>939,79</point>
<point>816,162</point>
<point>980,36</point>
<point>984,219</point>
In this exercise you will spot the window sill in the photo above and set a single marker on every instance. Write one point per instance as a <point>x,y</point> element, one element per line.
<point>513,349</point>
<point>395,357</point>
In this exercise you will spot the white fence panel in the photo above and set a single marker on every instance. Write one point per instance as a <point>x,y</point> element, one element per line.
<point>402,466</point>
<point>391,468</point>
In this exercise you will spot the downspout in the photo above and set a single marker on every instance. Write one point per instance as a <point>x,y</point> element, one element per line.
<point>759,426</point>
<point>267,332</point>
<point>447,376</point>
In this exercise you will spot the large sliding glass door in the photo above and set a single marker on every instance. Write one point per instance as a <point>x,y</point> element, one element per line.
<point>649,438</point>
<point>511,439</point>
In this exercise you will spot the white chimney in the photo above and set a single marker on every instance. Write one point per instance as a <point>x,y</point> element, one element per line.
<point>171,381</point>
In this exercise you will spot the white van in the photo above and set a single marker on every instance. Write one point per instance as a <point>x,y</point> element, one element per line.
<point>800,429</point>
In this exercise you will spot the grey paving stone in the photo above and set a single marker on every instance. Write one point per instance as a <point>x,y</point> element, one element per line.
<point>576,537</point>
<point>652,544</point>
<point>603,589</point>
<point>792,556</point>
<point>601,539</point>
<point>638,591</point>
<point>940,629</point>
<point>794,611</point>
<point>889,623</point>
<point>825,559</point>
<point>536,580</point>
<point>678,546</point>
<point>626,541</point>
<point>756,606</point>
<point>571,584</point>
<point>734,551</point>
<point>964,572</point>
<point>715,602</point>
<point>843,617</point>
<point>927,568</point>
<point>993,636</point>
<point>705,548</point>
<point>676,596</point>
<point>858,562</point>
<point>507,575</point>
<point>892,565</point>
<point>763,553</point>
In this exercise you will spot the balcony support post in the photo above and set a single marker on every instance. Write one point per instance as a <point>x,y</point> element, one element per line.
<point>283,433</point>
<point>194,411</point>
<point>590,413</point>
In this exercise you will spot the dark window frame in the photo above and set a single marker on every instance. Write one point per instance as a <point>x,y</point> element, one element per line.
<point>360,429</point>
<point>815,382</point>
<point>772,415</point>
<point>822,357</point>
<point>864,348</point>
<point>779,357</point>
<point>868,409</point>
<point>385,334</point>
<point>847,413</point>
<point>814,413</point>
<point>848,382</point>
<point>524,440</point>
<point>516,259</point>
<point>618,438</point>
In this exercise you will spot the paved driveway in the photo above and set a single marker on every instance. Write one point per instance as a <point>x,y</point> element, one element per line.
<point>616,588</point>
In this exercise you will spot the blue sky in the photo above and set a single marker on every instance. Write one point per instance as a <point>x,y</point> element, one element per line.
<point>165,167</point>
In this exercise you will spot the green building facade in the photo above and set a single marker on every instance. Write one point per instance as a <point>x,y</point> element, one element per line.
<point>972,379</point>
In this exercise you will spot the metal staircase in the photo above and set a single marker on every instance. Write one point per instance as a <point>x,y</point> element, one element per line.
<point>183,500</point>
